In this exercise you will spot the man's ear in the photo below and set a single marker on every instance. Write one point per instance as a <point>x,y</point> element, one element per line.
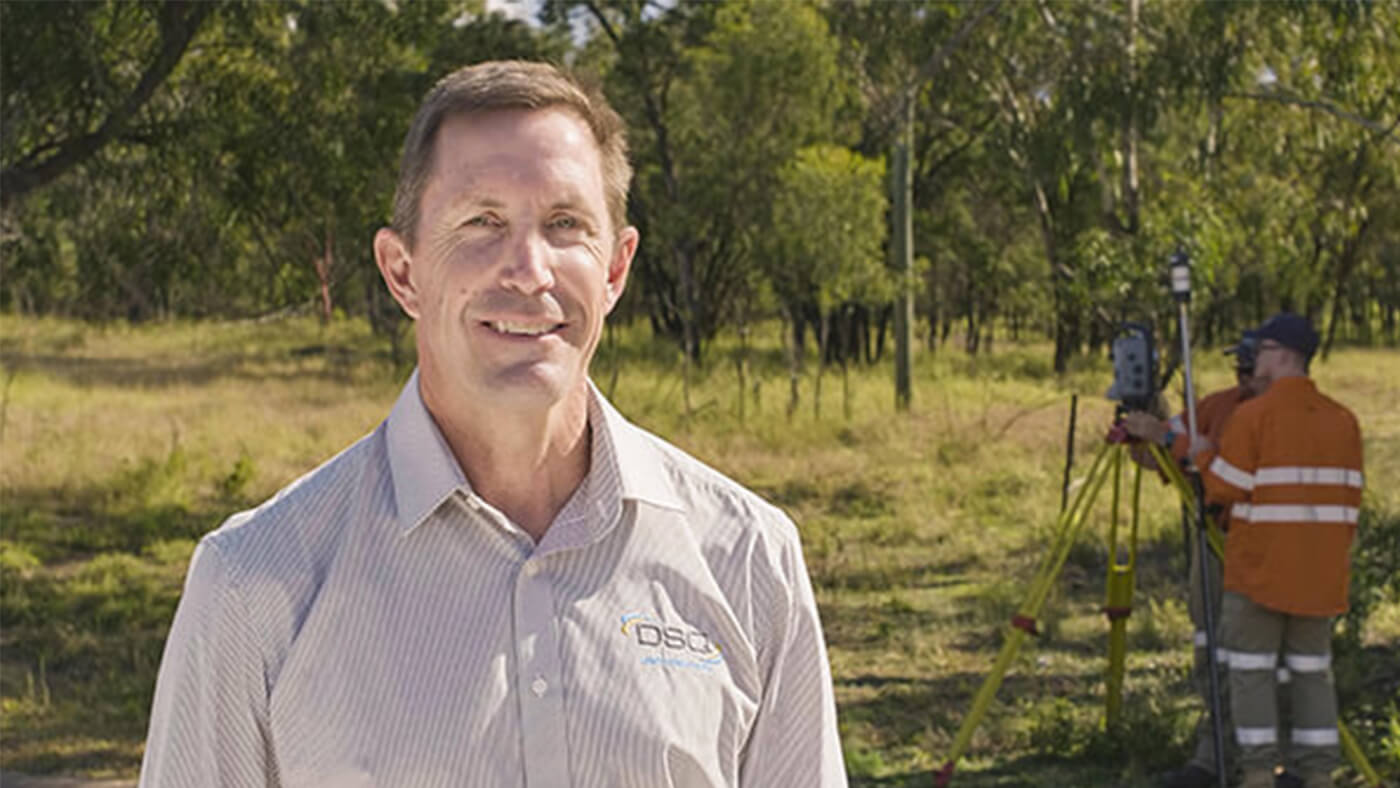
<point>621,263</point>
<point>395,263</point>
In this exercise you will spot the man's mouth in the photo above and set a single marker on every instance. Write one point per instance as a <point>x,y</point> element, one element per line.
<point>514,328</point>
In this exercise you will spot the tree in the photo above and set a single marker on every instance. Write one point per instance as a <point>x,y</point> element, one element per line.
<point>825,248</point>
<point>79,75</point>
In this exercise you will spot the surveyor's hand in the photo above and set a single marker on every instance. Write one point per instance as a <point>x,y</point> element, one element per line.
<point>1142,455</point>
<point>1144,426</point>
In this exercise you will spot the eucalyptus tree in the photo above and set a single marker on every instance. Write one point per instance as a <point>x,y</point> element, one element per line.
<point>1297,185</point>
<point>323,94</point>
<point>259,168</point>
<point>718,97</point>
<point>898,53</point>
<point>825,244</point>
<point>79,75</point>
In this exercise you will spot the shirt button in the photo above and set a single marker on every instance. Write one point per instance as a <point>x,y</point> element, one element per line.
<point>538,686</point>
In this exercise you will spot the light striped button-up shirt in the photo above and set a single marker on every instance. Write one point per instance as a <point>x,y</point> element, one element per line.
<point>378,624</point>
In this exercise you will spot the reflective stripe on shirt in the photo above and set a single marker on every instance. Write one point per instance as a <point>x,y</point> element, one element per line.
<point>1231,474</point>
<point>1294,513</point>
<point>1295,474</point>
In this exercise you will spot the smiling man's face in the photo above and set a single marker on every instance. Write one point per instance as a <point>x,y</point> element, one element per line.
<point>516,261</point>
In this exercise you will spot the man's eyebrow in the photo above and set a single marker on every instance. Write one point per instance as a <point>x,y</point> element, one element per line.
<point>573,203</point>
<point>473,199</point>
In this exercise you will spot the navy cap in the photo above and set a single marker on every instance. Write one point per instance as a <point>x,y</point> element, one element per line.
<point>1294,332</point>
<point>1245,350</point>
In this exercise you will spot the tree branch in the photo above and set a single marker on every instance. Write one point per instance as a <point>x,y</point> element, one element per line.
<point>179,21</point>
<point>1279,97</point>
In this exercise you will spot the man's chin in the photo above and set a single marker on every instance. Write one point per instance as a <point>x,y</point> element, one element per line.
<point>529,387</point>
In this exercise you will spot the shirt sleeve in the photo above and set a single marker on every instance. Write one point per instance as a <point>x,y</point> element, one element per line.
<point>1228,471</point>
<point>1181,437</point>
<point>209,717</point>
<point>794,740</point>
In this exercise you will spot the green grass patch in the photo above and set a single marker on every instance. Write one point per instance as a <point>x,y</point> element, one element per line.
<point>120,446</point>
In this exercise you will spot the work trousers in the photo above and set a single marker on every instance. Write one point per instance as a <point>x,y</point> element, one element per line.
<point>1254,636</point>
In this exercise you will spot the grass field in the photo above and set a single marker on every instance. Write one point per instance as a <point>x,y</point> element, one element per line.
<point>120,446</point>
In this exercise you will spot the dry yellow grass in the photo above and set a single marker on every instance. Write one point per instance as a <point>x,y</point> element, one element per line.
<point>122,444</point>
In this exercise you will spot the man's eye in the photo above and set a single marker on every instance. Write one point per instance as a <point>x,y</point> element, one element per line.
<point>481,220</point>
<point>564,223</point>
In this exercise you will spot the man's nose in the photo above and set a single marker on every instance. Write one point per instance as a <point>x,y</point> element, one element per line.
<point>528,268</point>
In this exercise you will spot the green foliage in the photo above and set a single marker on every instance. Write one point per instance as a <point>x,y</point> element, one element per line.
<point>1152,733</point>
<point>828,230</point>
<point>233,158</point>
<point>235,484</point>
<point>1375,570</point>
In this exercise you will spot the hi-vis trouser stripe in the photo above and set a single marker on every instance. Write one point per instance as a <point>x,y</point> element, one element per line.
<point>1221,655</point>
<point>1241,660</point>
<point>1308,663</point>
<point>1254,737</point>
<point>1245,660</point>
<point>1316,737</point>
<point>1293,474</point>
<point>1294,513</point>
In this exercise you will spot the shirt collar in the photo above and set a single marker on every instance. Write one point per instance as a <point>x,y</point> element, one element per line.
<point>641,466</point>
<point>425,472</point>
<point>1293,383</point>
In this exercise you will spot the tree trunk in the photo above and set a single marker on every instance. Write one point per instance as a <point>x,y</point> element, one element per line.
<point>823,338</point>
<point>794,360</point>
<point>323,264</point>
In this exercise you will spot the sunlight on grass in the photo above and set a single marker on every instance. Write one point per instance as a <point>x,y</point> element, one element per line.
<point>123,444</point>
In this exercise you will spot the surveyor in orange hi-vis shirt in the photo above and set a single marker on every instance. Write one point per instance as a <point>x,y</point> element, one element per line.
<point>1213,412</point>
<point>1289,466</point>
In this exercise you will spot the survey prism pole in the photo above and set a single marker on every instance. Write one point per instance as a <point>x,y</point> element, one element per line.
<point>1181,293</point>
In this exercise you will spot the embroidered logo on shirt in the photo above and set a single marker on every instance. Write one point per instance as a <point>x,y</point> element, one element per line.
<point>669,645</point>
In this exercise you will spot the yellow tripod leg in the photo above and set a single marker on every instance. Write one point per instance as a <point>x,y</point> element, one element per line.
<point>1120,597</point>
<point>1118,605</point>
<point>1023,623</point>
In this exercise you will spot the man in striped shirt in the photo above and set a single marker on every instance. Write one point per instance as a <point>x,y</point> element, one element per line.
<point>1289,464</point>
<point>506,583</point>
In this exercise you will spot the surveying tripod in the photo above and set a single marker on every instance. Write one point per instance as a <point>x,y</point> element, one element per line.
<point>1106,467</point>
<point>1107,464</point>
<point>1134,382</point>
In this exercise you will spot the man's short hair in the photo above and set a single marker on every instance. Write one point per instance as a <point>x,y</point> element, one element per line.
<point>505,85</point>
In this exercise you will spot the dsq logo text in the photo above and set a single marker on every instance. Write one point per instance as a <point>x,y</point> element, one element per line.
<point>669,645</point>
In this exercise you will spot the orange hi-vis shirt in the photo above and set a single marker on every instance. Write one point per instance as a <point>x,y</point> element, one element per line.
<point>1289,463</point>
<point>1212,412</point>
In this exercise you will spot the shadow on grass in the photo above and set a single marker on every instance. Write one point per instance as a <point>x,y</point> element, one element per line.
<point>895,578</point>
<point>89,581</point>
<point>117,515</point>
<point>1025,771</point>
<point>333,362</point>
